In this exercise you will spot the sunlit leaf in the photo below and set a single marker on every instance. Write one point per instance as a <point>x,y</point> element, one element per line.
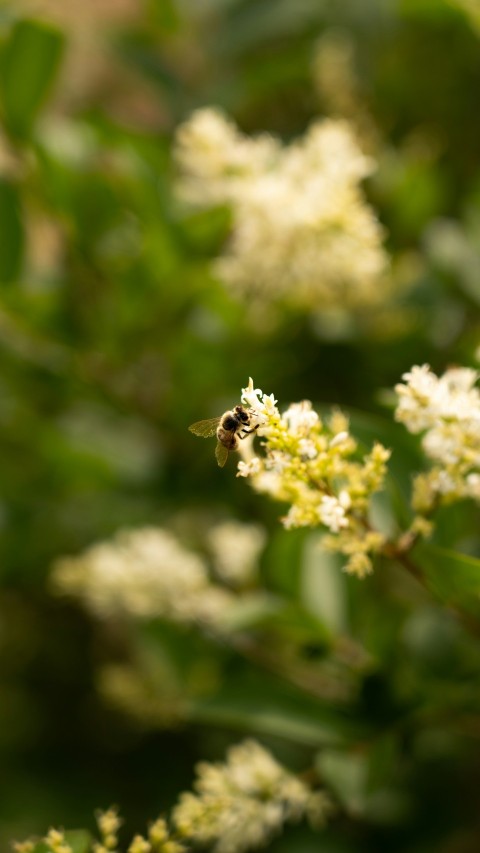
<point>28,65</point>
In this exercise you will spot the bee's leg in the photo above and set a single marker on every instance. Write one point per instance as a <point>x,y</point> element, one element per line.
<point>247,431</point>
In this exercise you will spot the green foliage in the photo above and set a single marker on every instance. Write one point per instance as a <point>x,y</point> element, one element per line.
<point>116,333</point>
<point>12,242</point>
<point>29,60</point>
<point>454,577</point>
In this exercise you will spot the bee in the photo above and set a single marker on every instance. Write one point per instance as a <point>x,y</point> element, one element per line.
<point>229,428</point>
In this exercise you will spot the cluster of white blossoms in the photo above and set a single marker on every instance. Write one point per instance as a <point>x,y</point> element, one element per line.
<point>302,231</point>
<point>447,410</point>
<point>238,805</point>
<point>313,466</point>
<point>143,573</point>
<point>242,803</point>
<point>235,549</point>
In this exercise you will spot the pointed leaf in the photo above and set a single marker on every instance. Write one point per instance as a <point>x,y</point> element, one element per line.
<point>28,65</point>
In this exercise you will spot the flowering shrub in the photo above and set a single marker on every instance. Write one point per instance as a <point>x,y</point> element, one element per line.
<point>238,805</point>
<point>286,658</point>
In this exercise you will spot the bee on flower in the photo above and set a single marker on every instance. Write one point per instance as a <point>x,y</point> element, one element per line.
<point>313,466</point>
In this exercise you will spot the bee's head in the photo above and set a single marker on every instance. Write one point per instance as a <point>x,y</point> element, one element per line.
<point>242,414</point>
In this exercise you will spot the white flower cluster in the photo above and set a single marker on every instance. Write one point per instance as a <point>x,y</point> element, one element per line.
<point>244,802</point>
<point>302,231</point>
<point>311,465</point>
<point>235,548</point>
<point>143,573</point>
<point>447,410</point>
<point>238,805</point>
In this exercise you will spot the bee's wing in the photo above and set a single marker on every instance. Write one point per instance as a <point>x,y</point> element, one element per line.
<point>221,454</point>
<point>205,428</point>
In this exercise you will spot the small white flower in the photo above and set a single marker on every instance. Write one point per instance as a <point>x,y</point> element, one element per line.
<point>269,403</point>
<point>307,448</point>
<point>444,483</point>
<point>473,485</point>
<point>300,418</point>
<point>262,407</point>
<point>250,468</point>
<point>332,514</point>
<point>339,439</point>
<point>278,461</point>
<point>344,499</point>
<point>251,396</point>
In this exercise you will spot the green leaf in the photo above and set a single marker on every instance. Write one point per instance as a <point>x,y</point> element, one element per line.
<point>11,232</point>
<point>346,774</point>
<point>364,782</point>
<point>260,718</point>
<point>323,586</point>
<point>453,577</point>
<point>79,840</point>
<point>164,14</point>
<point>28,64</point>
<point>258,703</point>
<point>252,610</point>
<point>285,557</point>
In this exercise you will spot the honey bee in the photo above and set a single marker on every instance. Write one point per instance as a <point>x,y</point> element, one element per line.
<point>229,428</point>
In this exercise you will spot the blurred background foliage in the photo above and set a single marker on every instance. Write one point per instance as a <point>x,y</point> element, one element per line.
<point>115,335</point>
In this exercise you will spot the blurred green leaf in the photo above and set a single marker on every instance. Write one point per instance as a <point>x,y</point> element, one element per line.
<point>79,840</point>
<point>28,64</point>
<point>164,14</point>
<point>11,231</point>
<point>270,710</point>
<point>252,610</point>
<point>453,577</point>
<point>323,586</point>
<point>285,555</point>
<point>252,24</point>
<point>346,773</point>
